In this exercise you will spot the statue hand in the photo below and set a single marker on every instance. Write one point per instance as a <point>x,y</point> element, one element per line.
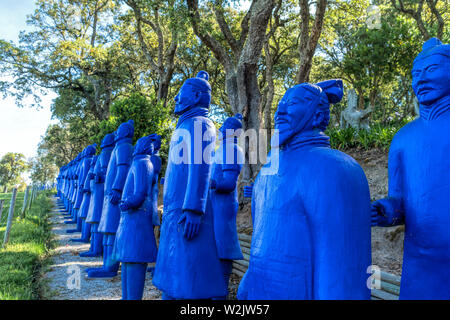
<point>99,178</point>
<point>115,196</point>
<point>191,225</point>
<point>124,205</point>
<point>377,209</point>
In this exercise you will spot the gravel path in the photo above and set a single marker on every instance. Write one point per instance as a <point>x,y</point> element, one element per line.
<point>62,276</point>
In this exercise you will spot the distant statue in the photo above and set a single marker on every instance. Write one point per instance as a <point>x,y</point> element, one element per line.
<point>352,117</point>
<point>73,185</point>
<point>97,188</point>
<point>82,173</point>
<point>188,265</point>
<point>311,220</point>
<point>116,174</point>
<point>228,161</point>
<point>84,207</point>
<point>419,180</point>
<point>135,244</point>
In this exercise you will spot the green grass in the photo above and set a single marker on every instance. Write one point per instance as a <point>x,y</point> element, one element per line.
<point>25,254</point>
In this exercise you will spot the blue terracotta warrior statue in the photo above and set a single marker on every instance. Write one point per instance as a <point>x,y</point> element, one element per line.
<point>188,264</point>
<point>419,180</point>
<point>223,196</point>
<point>86,188</point>
<point>135,244</point>
<point>96,204</point>
<point>116,174</point>
<point>81,174</point>
<point>311,219</point>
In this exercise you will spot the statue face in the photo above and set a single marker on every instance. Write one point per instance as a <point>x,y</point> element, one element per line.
<point>431,79</point>
<point>295,112</point>
<point>186,99</point>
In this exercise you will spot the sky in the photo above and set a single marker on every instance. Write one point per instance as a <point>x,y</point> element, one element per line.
<point>20,128</point>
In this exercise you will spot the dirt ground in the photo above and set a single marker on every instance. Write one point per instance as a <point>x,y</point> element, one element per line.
<point>387,243</point>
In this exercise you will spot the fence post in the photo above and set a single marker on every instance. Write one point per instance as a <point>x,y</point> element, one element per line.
<point>32,195</point>
<point>10,216</point>
<point>25,200</point>
<point>1,209</point>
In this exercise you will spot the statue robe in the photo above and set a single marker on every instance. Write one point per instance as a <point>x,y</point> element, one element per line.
<point>121,156</point>
<point>96,204</point>
<point>188,269</point>
<point>225,205</point>
<point>311,226</point>
<point>419,181</point>
<point>135,239</point>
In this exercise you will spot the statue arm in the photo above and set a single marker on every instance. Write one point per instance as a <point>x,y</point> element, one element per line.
<point>140,178</point>
<point>198,179</point>
<point>390,211</point>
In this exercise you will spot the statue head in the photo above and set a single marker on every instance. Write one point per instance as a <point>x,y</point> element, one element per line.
<point>108,141</point>
<point>156,142</point>
<point>195,92</point>
<point>143,146</point>
<point>231,127</point>
<point>430,72</point>
<point>90,150</point>
<point>125,130</point>
<point>305,107</point>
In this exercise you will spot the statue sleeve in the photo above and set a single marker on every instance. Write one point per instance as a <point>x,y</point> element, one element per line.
<point>199,173</point>
<point>123,160</point>
<point>393,212</point>
<point>142,176</point>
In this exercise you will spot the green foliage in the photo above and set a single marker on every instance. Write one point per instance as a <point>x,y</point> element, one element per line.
<point>12,165</point>
<point>149,117</point>
<point>379,136</point>
<point>23,257</point>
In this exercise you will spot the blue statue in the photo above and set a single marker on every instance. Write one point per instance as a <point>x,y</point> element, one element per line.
<point>419,183</point>
<point>116,174</point>
<point>135,244</point>
<point>86,189</point>
<point>311,219</point>
<point>228,161</point>
<point>95,206</point>
<point>80,176</point>
<point>188,264</point>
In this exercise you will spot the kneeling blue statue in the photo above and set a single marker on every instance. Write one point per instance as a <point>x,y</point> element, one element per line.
<point>188,265</point>
<point>223,196</point>
<point>116,174</point>
<point>419,180</point>
<point>311,219</point>
<point>135,244</point>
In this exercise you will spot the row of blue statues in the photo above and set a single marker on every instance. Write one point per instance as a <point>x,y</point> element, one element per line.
<point>311,219</point>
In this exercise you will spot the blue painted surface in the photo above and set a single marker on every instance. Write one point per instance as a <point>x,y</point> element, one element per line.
<point>311,220</point>
<point>135,240</point>
<point>188,265</point>
<point>419,183</point>
<point>97,187</point>
<point>116,174</point>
